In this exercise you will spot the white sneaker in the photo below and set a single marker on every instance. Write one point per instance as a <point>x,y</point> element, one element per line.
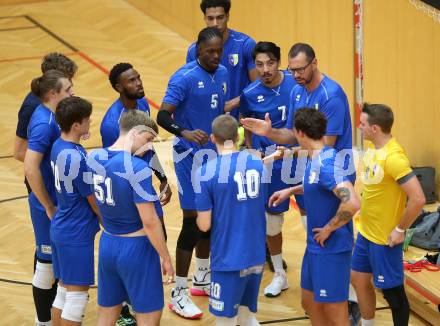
<point>201,282</point>
<point>182,304</point>
<point>278,284</point>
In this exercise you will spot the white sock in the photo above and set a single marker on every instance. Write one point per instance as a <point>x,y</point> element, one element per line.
<point>202,263</point>
<point>367,322</point>
<point>181,282</point>
<point>245,317</point>
<point>277,262</point>
<point>352,294</point>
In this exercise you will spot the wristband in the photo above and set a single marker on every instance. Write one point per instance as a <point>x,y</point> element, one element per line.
<point>399,229</point>
<point>161,176</point>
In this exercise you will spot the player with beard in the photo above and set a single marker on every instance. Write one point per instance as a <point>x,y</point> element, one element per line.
<point>318,91</point>
<point>127,82</point>
<point>271,94</point>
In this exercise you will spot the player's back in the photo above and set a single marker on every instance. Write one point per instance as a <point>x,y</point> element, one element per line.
<point>323,173</point>
<point>118,179</point>
<point>74,220</point>
<point>236,195</point>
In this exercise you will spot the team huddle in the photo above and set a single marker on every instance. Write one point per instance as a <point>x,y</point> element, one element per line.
<point>233,190</point>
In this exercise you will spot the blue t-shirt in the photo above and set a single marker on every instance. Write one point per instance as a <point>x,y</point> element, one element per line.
<point>237,58</point>
<point>28,107</point>
<point>330,99</point>
<point>120,181</point>
<point>110,122</point>
<point>110,131</point>
<point>74,222</point>
<point>258,99</point>
<point>43,130</point>
<point>236,195</point>
<point>322,174</point>
<point>199,98</point>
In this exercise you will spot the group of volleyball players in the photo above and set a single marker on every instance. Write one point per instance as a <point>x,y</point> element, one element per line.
<point>233,192</point>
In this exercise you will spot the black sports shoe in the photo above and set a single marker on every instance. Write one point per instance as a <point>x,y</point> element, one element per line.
<point>354,314</point>
<point>126,318</point>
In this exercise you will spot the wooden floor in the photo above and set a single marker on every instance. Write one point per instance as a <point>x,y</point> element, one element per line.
<point>97,35</point>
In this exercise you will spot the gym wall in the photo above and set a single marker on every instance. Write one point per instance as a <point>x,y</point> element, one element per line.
<point>401,53</point>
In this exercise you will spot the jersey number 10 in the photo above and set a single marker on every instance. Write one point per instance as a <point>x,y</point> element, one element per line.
<point>252,184</point>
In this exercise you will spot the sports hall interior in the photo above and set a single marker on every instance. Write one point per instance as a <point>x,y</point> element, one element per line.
<point>401,68</point>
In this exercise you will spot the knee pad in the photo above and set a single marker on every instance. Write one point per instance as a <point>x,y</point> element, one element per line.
<point>304,221</point>
<point>189,235</point>
<point>75,306</point>
<point>60,298</point>
<point>43,276</point>
<point>274,224</point>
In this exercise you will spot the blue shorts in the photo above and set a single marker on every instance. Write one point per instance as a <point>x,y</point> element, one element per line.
<point>326,275</point>
<point>185,168</point>
<point>41,224</point>
<point>384,262</point>
<point>129,269</point>
<point>74,264</point>
<point>229,290</point>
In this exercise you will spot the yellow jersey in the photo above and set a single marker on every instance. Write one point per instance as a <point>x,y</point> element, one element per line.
<point>383,200</point>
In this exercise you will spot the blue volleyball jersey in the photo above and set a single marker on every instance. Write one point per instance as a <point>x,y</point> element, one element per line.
<point>30,103</point>
<point>120,181</point>
<point>236,195</point>
<point>110,122</point>
<point>110,131</point>
<point>237,58</point>
<point>322,174</point>
<point>199,98</point>
<point>74,222</point>
<point>331,100</point>
<point>258,99</point>
<point>43,130</point>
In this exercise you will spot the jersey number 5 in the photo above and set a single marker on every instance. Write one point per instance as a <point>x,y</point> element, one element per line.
<point>214,101</point>
<point>101,196</point>
<point>252,184</point>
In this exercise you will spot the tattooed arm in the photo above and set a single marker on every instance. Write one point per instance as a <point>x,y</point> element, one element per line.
<point>350,204</point>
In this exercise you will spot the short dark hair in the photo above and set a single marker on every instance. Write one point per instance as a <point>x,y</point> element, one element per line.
<point>207,34</point>
<point>70,110</point>
<point>304,48</point>
<point>136,119</point>
<point>379,114</point>
<point>116,71</point>
<point>311,122</point>
<point>224,128</point>
<point>58,61</point>
<point>50,80</point>
<point>225,4</point>
<point>269,48</point>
